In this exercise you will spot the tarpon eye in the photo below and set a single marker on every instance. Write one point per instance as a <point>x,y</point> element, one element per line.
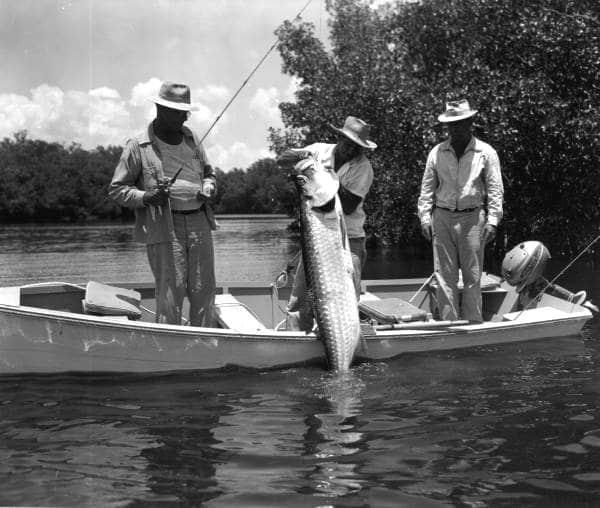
<point>301,180</point>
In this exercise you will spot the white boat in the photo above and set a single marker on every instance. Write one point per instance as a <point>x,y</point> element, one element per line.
<point>45,329</point>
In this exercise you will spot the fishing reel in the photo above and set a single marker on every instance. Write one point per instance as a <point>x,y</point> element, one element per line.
<point>523,267</point>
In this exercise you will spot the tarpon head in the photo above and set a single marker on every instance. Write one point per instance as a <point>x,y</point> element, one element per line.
<point>314,182</point>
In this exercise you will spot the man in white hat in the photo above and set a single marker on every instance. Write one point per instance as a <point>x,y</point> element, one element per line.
<point>164,175</point>
<point>459,207</point>
<point>348,159</point>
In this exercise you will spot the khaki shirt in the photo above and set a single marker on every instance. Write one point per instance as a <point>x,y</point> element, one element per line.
<point>473,181</point>
<point>139,168</point>
<point>356,175</point>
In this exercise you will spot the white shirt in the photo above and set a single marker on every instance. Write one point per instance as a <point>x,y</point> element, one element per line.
<point>473,181</point>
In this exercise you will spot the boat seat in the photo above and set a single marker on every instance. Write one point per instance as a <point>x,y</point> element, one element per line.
<point>233,314</point>
<point>390,310</point>
<point>105,300</point>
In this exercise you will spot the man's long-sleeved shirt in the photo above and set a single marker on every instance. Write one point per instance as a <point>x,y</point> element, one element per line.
<point>473,181</point>
<point>139,169</point>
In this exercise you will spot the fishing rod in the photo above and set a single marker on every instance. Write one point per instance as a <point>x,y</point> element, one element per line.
<point>250,76</point>
<point>549,284</point>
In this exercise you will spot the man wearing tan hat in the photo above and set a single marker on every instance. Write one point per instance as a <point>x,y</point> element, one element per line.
<point>347,158</point>
<point>164,175</point>
<point>460,207</point>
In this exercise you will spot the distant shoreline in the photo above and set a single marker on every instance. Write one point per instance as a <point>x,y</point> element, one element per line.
<point>223,217</point>
<point>261,216</point>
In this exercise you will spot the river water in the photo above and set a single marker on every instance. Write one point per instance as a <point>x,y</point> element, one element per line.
<point>515,425</point>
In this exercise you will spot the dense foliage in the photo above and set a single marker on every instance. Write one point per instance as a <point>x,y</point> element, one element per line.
<point>530,67</point>
<point>44,181</point>
<point>47,181</point>
<point>262,188</point>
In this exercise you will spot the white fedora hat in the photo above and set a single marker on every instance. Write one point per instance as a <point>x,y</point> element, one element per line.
<point>175,96</point>
<point>455,111</point>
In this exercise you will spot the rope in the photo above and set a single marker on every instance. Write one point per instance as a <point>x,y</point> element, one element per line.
<point>281,281</point>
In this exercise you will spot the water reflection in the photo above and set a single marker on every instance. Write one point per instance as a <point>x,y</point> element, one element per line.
<point>333,435</point>
<point>80,450</point>
<point>258,440</point>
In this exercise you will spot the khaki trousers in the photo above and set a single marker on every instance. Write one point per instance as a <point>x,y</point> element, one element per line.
<point>457,244</point>
<point>185,267</point>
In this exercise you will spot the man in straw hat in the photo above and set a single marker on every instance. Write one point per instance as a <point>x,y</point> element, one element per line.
<point>164,175</point>
<point>460,207</point>
<point>348,159</point>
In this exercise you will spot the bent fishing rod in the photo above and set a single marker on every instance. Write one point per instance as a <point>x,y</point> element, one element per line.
<point>250,76</point>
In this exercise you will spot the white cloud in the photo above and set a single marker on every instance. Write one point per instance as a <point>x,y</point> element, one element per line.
<point>237,155</point>
<point>102,116</point>
<point>141,93</point>
<point>98,117</point>
<point>105,93</point>
<point>18,112</point>
<point>265,102</point>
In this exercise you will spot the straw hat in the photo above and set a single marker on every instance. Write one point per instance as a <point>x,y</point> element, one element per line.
<point>455,111</point>
<point>357,131</point>
<point>175,96</point>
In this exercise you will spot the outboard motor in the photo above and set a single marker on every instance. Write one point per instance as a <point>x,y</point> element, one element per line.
<point>525,264</point>
<point>523,267</point>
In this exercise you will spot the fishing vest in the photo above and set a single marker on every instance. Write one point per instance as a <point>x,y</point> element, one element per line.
<point>156,226</point>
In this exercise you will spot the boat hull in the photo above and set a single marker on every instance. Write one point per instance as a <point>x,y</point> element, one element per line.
<point>36,340</point>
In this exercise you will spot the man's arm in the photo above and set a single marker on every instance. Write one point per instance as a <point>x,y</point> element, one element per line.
<point>349,200</point>
<point>494,188</point>
<point>209,177</point>
<point>123,187</point>
<point>495,194</point>
<point>428,185</point>
<point>291,157</point>
<point>425,203</point>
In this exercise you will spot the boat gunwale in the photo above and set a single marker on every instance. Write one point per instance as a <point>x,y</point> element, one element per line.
<point>186,332</point>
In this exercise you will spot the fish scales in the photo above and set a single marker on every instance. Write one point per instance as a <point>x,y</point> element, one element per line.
<point>329,274</point>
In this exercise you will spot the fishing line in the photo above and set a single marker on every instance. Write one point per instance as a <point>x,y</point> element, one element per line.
<point>250,76</point>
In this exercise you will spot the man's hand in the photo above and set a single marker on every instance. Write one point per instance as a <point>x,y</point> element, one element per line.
<point>426,231</point>
<point>489,233</point>
<point>207,191</point>
<point>290,158</point>
<point>156,197</point>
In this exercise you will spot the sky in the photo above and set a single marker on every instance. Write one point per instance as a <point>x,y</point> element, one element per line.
<point>85,71</point>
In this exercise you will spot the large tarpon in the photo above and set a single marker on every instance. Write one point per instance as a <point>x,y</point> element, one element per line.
<point>327,262</point>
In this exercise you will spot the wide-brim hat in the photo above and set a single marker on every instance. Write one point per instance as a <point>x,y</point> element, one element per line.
<point>175,96</point>
<point>357,131</point>
<point>456,111</point>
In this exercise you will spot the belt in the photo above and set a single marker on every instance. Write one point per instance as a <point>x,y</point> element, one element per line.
<point>186,212</point>
<point>456,211</point>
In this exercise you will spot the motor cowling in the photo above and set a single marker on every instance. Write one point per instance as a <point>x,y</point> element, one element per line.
<point>525,263</point>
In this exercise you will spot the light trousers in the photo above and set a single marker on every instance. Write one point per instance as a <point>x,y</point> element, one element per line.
<point>457,243</point>
<point>185,267</point>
